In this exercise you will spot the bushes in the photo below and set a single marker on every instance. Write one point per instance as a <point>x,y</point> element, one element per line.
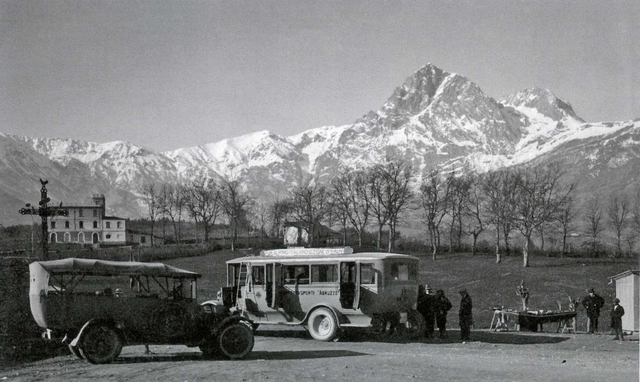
<point>20,336</point>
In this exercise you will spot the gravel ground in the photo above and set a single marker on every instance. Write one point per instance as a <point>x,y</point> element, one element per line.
<point>293,356</point>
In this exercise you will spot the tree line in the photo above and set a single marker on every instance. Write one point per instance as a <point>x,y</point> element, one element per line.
<point>532,202</point>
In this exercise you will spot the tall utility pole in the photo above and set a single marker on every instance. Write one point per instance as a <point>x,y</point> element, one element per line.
<point>44,211</point>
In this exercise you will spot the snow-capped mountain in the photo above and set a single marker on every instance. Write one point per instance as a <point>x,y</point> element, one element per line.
<point>435,119</point>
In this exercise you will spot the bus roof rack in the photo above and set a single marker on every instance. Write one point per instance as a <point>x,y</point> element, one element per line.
<point>301,251</point>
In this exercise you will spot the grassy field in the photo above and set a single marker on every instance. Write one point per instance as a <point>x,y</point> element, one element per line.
<point>489,284</point>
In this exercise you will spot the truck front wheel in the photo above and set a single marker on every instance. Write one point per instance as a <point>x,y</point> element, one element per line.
<point>100,344</point>
<point>235,341</point>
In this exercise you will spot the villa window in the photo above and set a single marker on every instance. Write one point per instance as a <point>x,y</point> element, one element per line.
<point>95,224</point>
<point>108,224</point>
<point>66,224</point>
<point>81,224</point>
<point>119,224</point>
<point>53,225</point>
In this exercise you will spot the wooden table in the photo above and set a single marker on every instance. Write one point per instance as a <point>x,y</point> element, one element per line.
<point>531,321</point>
<point>501,318</point>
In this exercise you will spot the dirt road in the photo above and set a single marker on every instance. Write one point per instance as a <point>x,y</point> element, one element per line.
<point>295,357</point>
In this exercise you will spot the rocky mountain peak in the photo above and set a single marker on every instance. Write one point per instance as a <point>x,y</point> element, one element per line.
<point>417,92</point>
<point>547,103</point>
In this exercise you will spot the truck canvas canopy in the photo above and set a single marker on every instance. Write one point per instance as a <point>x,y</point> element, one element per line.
<point>92,267</point>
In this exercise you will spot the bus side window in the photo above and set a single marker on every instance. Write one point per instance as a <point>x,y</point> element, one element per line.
<point>394,272</point>
<point>324,273</point>
<point>289,274</point>
<point>367,274</point>
<point>400,272</point>
<point>258,275</point>
<point>302,274</point>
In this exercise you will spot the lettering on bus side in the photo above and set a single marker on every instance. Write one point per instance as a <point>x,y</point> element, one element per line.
<point>319,292</point>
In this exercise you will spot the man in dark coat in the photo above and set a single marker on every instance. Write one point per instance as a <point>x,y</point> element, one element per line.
<point>465,315</point>
<point>617,311</point>
<point>592,303</point>
<point>443,305</point>
<point>426,307</point>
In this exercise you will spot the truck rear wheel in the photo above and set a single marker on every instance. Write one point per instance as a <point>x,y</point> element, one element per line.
<point>100,344</point>
<point>322,325</point>
<point>235,341</point>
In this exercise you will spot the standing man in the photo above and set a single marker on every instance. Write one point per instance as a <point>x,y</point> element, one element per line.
<point>443,305</point>
<point>592,303</point>
<point>426,307</point>
<point>617,311</point>
<point>465,315</point>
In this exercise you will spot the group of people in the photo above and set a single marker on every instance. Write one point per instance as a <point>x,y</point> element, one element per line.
<point>593,303</point>
<point>434,309</point>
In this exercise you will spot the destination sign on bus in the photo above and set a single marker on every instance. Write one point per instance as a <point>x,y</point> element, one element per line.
<point>307,252</point>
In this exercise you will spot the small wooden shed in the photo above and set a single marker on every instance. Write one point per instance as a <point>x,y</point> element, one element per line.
<point>628,291</point>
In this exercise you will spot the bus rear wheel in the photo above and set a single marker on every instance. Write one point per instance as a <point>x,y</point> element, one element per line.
<point>322,325</point>
<point>415,326</point>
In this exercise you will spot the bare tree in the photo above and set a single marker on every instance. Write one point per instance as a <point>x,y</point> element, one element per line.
<point>233,201</point>
<point>202,199</point>
<point>565,218</point>
<point>593,221</point>
<point>542,230</point>
<point>500,189</point>
<point>635,213</point>
<point>277,214</point>
<point>261,216</point>
<point>163,202</point>
<point>375,190</point>
<point>343,217</point>
<point>634,222</point>
<point>151,197</point>
<point>434,194</point>
<point>341,199</point>
<point>474,209</point>
<point>459,188</point>
<point>310,204</point>
<point>540,195</point>
<point>174,207</point>
<point>618,210</point>
<point>394,193</point>
<point>350,198</point>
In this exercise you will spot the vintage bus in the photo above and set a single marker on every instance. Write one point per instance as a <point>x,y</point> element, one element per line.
<point>327,290</point>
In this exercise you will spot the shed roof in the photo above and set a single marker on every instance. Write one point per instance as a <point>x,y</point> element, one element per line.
<point>624,274</point>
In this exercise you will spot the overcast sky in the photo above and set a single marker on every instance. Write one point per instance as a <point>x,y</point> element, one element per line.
<point>173,74</point>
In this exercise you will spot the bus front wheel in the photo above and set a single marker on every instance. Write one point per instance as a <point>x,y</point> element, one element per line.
<point>322,325</point>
